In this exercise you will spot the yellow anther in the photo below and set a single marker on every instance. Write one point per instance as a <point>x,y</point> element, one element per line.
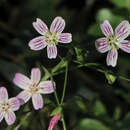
<point>51,38</point>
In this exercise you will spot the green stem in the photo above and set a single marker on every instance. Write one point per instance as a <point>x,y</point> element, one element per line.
<point>55,93</point>
<point>65,84</point>
<point>63,123</point>
<point>56,96</point>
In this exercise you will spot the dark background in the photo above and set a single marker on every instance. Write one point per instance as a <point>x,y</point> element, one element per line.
<point>94,100</point>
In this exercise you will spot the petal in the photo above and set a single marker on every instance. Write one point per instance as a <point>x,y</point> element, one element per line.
<point>10,117</point>
<point>106,28</point>
<point>52,51</point>
<point>57,25</point>
<point>40,26</point>
<point>21,80</point>
<point>35,75</point>
<point>54,121</point>
<point>102,45</point>
<point>3,94</point>
<point>125,46</point>
<point>65,37</point>
<point>37,101</point>
<point>122,30</point>
<point>46,87</point>
<point>37,43</point>
<point>23,97</point>
<point>14,103</point>
<point>1,116</point>
<point>112,58</point>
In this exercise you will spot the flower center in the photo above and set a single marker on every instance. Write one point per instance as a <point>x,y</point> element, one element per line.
<point>51,38</point>
<point>113,42</point>
<point>4,106</point>
<point>33,88</point>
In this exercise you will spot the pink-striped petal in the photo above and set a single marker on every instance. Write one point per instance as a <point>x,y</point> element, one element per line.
<point>46,87</point>
<point>23,97</point>
<point>123,30</point>
<point>14,104</point>
<point>125,46</point>
<point>37,43</point>
<point>57,25</point>
<point>10,117</point>
<point>112,58</point>
<point>40,26</point>
<point>102,45</point>
<point>35,75</point>
<point>3,94</point>
<point>65,38</point>
<point>51,51</point>
<point>54,121</point>
<point>1,116</point>
<point>106,28</point>
<point>21,81</point>
<point>37,101</point>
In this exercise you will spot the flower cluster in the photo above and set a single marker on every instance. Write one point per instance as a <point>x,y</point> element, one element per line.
<point>33,87</point>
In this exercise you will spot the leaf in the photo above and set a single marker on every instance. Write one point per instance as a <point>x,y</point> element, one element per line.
<point>91,124</point>
<point>79,53</point>
<point>81,105</point>
<point>126,122</point>
<point>94,30</point>
<point>117,113</point>
<point>111,78</point>
<point>99,108</point>
<point>105,13</point>
<point>59,66</point>
<point>55,70</point>
<point>56,111</point>
<point>46,74</point>
<point>122,3</point>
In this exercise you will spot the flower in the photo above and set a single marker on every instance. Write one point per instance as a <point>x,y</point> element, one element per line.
<point>113,41</point>
<point>32,87</point>
<point>8,106</point>
<point>50,38</point>
<point>54,121</point>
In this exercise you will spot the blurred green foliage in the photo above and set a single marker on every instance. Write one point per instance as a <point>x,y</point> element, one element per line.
<point>97,97</point>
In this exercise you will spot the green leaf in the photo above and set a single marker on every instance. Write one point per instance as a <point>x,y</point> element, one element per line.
<point>126,122</point>
<point>79,54</point>
<point>99,108</point>
<point>59,66</point>
<point>55,70</point>
<point>117,113</point>
<point>91,124</point>
<point>111,78</point>
<point>122,3</point>
<point>94,30</point>
<point>46,74</point>
<point>81,104</point>
<point>105,13</point>
<point>56,111</point>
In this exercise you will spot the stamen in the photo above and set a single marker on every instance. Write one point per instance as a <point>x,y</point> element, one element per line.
<point>113,42</point>
<point>4,107</point>
<point>51,38</point>
<point>33,88</point>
